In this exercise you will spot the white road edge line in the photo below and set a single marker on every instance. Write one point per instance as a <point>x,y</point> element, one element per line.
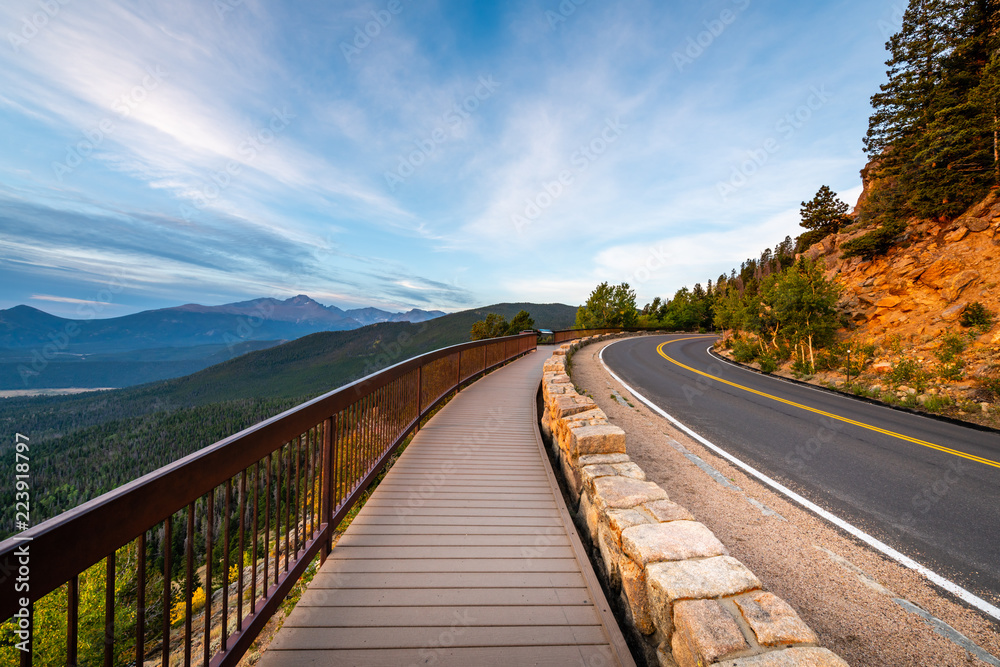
<point>900,558</point>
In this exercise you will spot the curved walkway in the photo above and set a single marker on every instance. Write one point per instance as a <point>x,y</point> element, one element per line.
<point>464,555</point>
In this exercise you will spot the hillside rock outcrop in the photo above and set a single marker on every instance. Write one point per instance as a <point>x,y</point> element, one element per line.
<point>918,290</point>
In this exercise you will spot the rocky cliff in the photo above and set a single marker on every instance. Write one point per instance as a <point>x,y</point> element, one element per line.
<point>920,288</point>
<point>906,303</point>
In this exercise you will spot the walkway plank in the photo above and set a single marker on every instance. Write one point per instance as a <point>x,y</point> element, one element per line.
<point>464,555</point>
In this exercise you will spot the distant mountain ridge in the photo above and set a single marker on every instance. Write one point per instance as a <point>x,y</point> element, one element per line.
<point>40,350</point>
<point>368,316</point>
<point>189,325</point>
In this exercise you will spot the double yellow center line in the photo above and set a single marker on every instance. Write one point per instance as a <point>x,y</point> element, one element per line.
<point>916,441</point>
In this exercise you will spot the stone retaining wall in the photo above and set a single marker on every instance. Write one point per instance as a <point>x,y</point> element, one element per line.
<point>687,599</point>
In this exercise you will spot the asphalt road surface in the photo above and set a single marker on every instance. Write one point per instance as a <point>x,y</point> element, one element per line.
<point>926,488</point>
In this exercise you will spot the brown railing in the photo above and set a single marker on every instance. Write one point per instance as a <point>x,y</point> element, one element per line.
<point>245,516</point>
<point>572,334</point>
<point>564,335</point>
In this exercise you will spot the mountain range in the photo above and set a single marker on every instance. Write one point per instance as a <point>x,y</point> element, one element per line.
<point>39,350</point>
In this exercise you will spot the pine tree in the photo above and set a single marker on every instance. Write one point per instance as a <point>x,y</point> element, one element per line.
<point>825,214</point>
<point>904,108</point>
<point>987,97</point>
<point>520,322</point>
<point>492,327</point>
<point>932,131</point>
<point>917,53</point>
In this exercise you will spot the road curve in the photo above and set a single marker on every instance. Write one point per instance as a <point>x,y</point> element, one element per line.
<point>927,488</point>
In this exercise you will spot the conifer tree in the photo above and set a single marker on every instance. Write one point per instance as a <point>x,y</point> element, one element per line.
<point>932,130</point>
<point>825,214</point>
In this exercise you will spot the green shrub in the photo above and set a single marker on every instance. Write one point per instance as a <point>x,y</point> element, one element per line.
<point>745,351</point>
<point>768,364</point>
<point>991,385</point>
<point>864,391</point>
<point>908,371</point>
<point>969,406</point>
<point>875,242</point>
<point>951,371</point>
<point>937,403</point>
<point>802,367</point>
<point>830,360</point>
<point>952,345</point>
<point>978,316</point>
<point>861,356</point>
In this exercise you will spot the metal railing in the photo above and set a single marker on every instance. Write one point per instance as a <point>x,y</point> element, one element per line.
<point>244,516</point>
<point>572,334</point>
<point>564,335</point>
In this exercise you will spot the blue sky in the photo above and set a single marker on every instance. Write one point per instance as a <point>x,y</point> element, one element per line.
<point>400,153</point>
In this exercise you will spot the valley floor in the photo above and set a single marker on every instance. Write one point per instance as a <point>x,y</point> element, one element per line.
<point>18,393</point>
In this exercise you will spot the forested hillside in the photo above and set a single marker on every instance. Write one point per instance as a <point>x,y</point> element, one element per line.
<point>85,445</point>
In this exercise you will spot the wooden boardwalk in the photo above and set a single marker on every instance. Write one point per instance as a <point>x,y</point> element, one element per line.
<point>464,555</point>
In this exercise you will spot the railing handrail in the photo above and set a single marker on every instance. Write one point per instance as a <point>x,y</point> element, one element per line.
<point>563,335</point>
<point>65,545</point>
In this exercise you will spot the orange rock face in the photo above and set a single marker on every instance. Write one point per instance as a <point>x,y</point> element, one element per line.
<point>918,290</point>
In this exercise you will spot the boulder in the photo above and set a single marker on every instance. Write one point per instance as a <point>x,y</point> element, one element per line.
<point>773,620</point>
<point>600,439</point>
<point>956,236</point>
<point>625,492</point>
<point>953,312</point>
<point>978,224</point>
<point>674,540</point>
<point>714,577</point>
<point>703,633</point>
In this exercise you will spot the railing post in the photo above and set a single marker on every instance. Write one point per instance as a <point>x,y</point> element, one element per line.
<point>420,394</point>
<point>458,384</point>
<point>327,488</point>
<point>109,610</point>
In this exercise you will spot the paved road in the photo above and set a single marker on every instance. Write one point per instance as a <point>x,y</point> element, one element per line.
<point>940,508</point>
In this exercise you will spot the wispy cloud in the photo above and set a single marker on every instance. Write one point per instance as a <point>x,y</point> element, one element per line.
<point>65,299</point>
<point>240,153</point>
